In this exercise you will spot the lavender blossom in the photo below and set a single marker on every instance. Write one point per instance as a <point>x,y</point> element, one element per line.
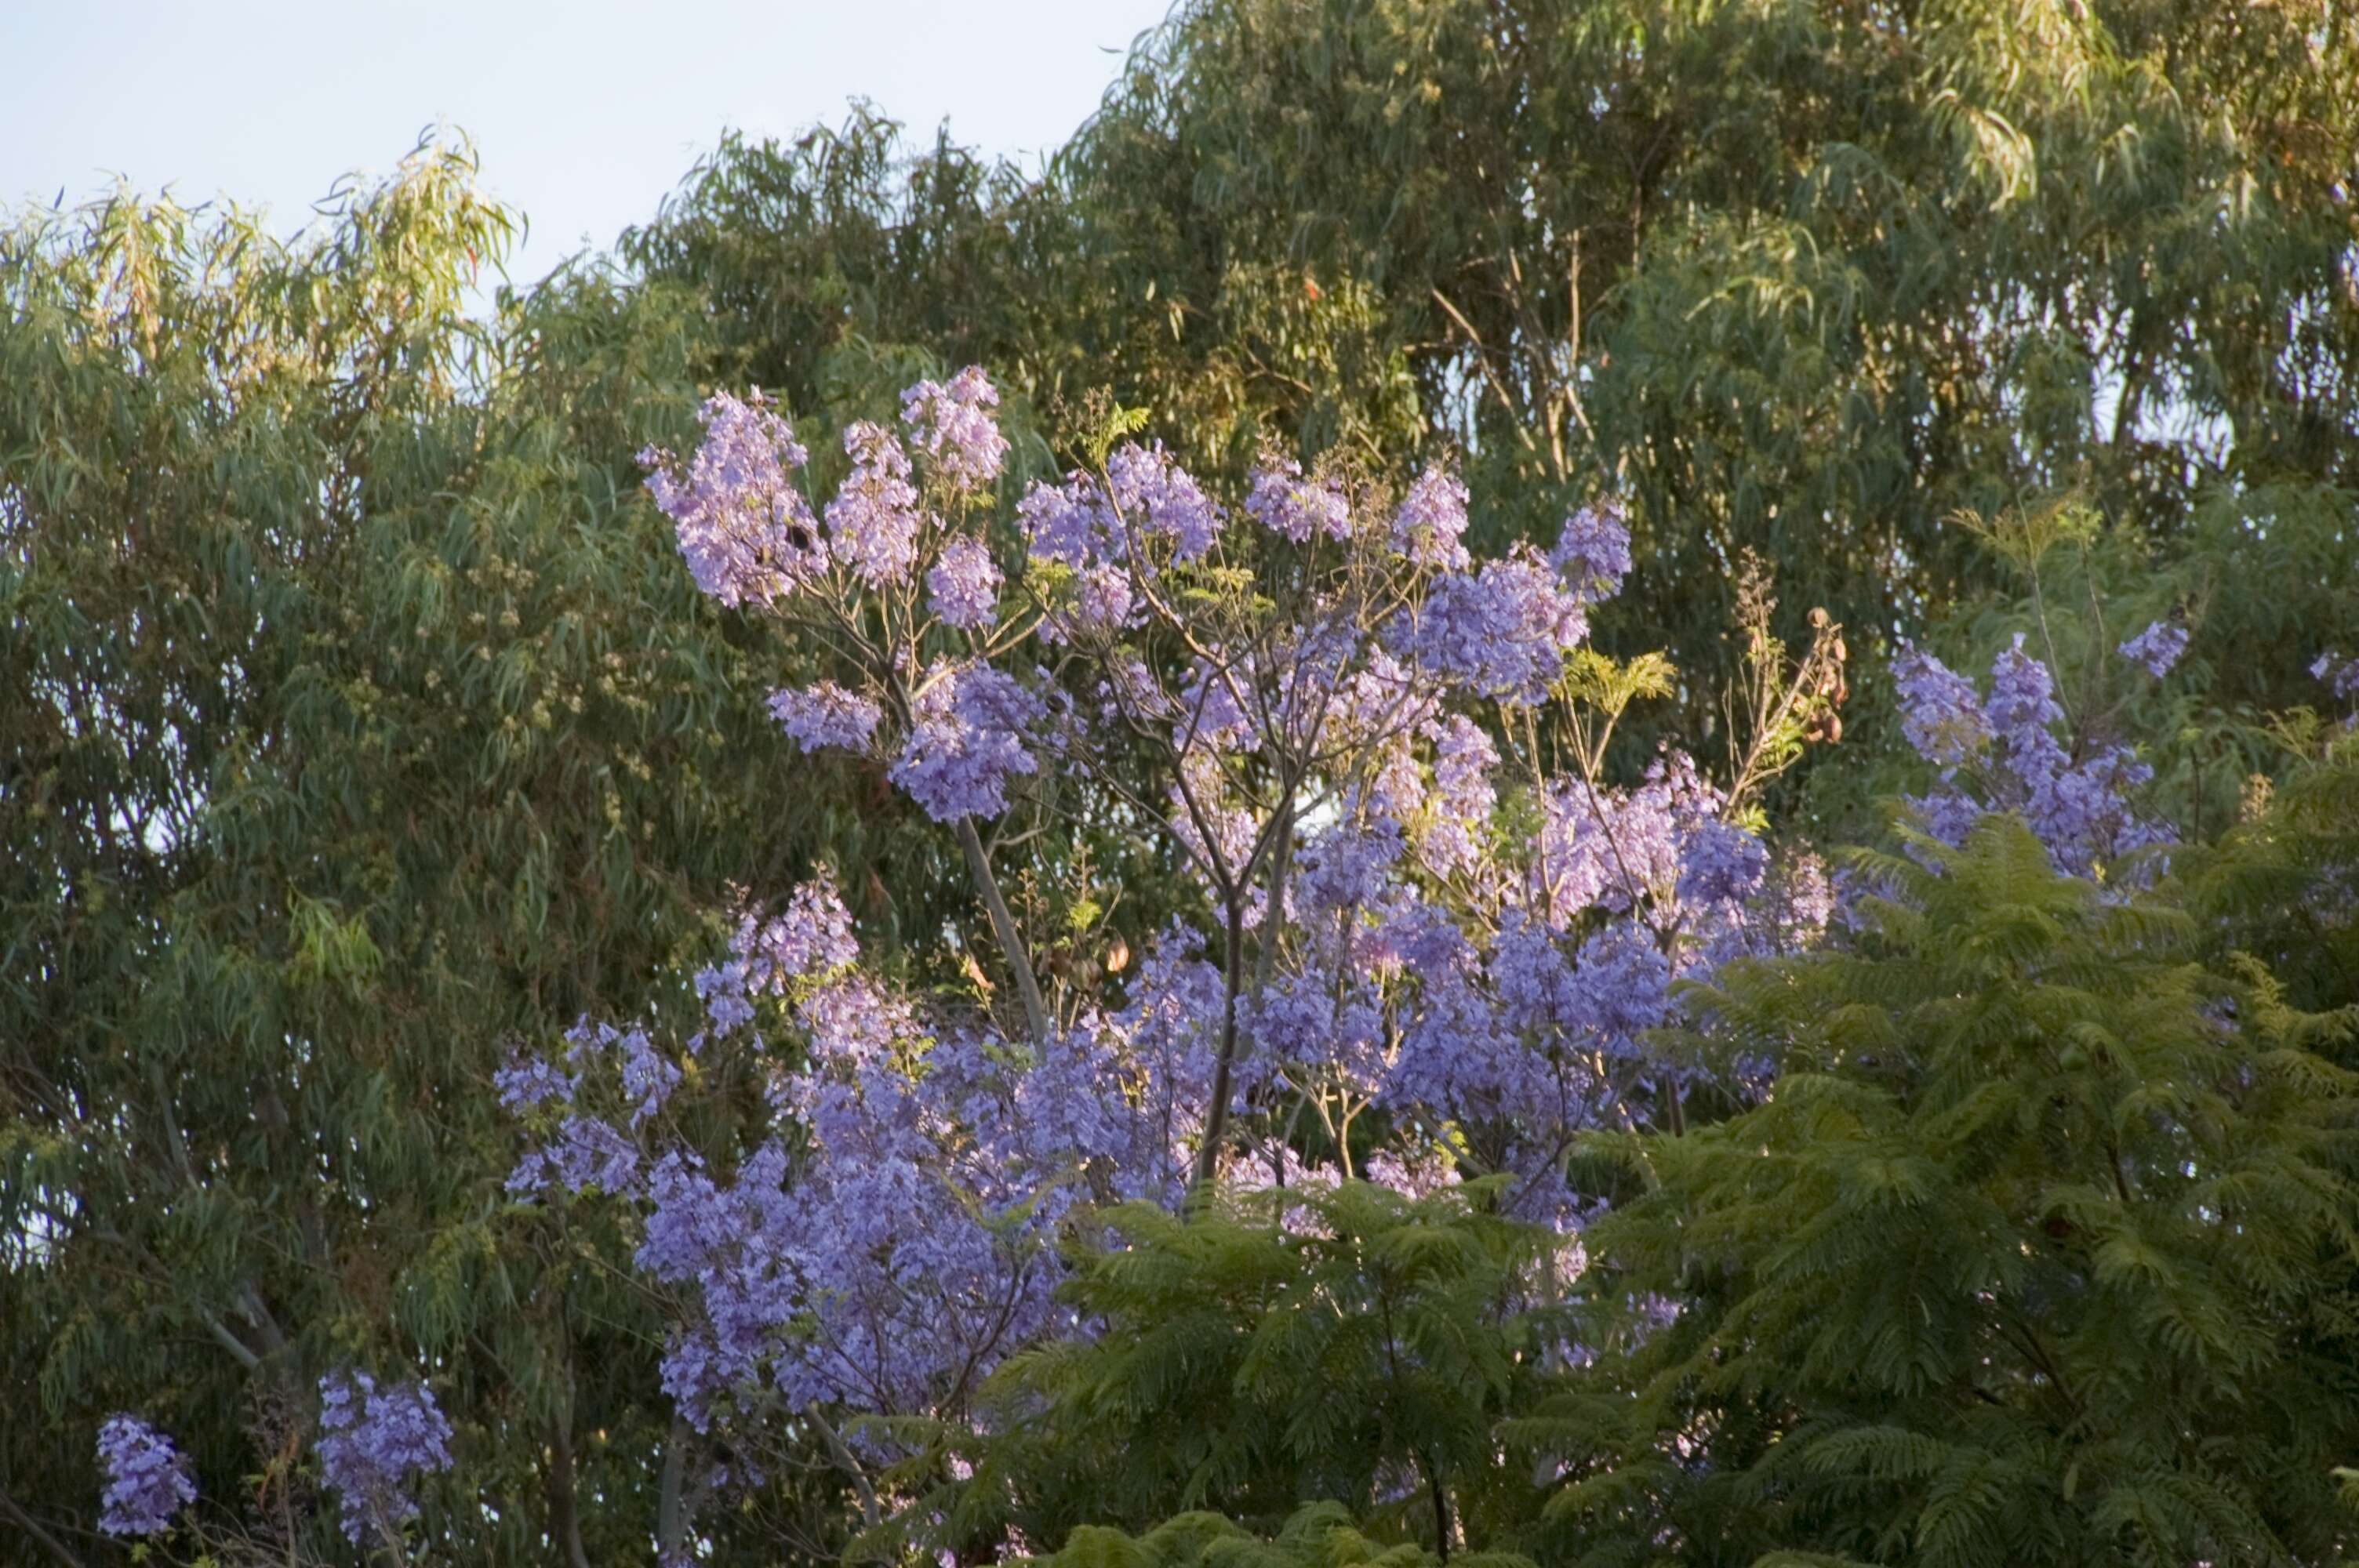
<point>1592,552</point>
<point>147,1478</point>
<point>872,523</point>
<point>1432,518</point>
<point>1285,502</point>
<point>2157,648</point>
<point>1503,633</point>
<point>1069,522</point>
<point>1159,497</point>
<point>586,1152</point>
<point>1463,798</point>
<point>374,1445</point>
<point>527,1081</point>
<point>962,585</point>
<point>1101,604</point>
<point>954,426</point>
<point>1940,713</point>
<point>967,743</point>
<point>2341,676</point>
<point>746,531</point>
<point>824,714</point>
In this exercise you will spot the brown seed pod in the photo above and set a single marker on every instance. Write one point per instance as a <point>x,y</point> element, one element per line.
<point>1818,616</point>
<point>1117,955</point>
<point>1835,728</point>
<point>1840,654</point>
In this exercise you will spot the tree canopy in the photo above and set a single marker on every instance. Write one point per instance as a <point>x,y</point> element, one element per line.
<point>444,1019</point>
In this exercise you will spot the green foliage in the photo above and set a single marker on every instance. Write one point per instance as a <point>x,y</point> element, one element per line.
<point>358,724</point>
<point>1319,1535</point>
<point>2042,1250</point>
<point>2278,884</point>
<point>1301,1346</point>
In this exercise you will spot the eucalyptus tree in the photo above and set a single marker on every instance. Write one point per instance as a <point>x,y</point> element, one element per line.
<point>356,720</point>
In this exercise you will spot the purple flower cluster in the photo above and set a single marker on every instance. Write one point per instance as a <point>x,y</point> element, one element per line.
<point>956,428</point>
<point>1941,712</point>
<point>2157,648</point>
<point>147,1478</point>
<point>773,957</point>
<point>1284,501</point>
<point>527,1081</point>
<point>1069,523</point>
<point>374,1445</point>
<point>1159,498</point>
<point>1463,799</point>
<point>873,523</point>
<point>1592,552</point>
<point>824,714</point>
<point>1501,633</point>
<point>2003,754</point>
<point>746,531</point>
<point>962,585</point>
<point>1432,518</point>
<point>893,1265</point>
<point>586,1152</point>
<point>2341,676</point>
<point>967,741</point>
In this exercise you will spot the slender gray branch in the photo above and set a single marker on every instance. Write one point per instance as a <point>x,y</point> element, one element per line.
<point>1003,926</point>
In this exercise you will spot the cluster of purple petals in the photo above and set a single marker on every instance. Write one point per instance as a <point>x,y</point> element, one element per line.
<point>745,529</point>
<point>825,714</point>
<point>1159,498</point>
<point>2079,807</point>
<point>1335,1032</point>
<point>374,1445</point>
<point>1721,864</point>
<point>2157,648</point>
<point>1069,523</point>
<point>908,1251</point>
<point>771,957</point>
<point>1081,524</point>
<point>1463,799</point>
<point>2341,676</point>
<point>1941,712</point>
<point>1428,526</point>
<point>1103,605</point>
<point>648,1076</point>
<point>1501,633</point>
<point>1613,849</point>
<point>585,1152</point>
<point>1286,502</point>
<point>147,1478</point>
<point>873,523</point>
<point>1216,710</point>
<point>954,426</point>
<point>966,742</point>
<point>527,1081</point>
<point>1347,867</point>
<point>1592,552</point>
<point>962,585</point>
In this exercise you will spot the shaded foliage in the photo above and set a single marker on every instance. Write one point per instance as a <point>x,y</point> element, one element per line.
<point>2042,1250</point>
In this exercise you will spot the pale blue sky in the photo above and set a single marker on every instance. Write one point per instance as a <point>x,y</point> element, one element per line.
<point>586,112</point>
